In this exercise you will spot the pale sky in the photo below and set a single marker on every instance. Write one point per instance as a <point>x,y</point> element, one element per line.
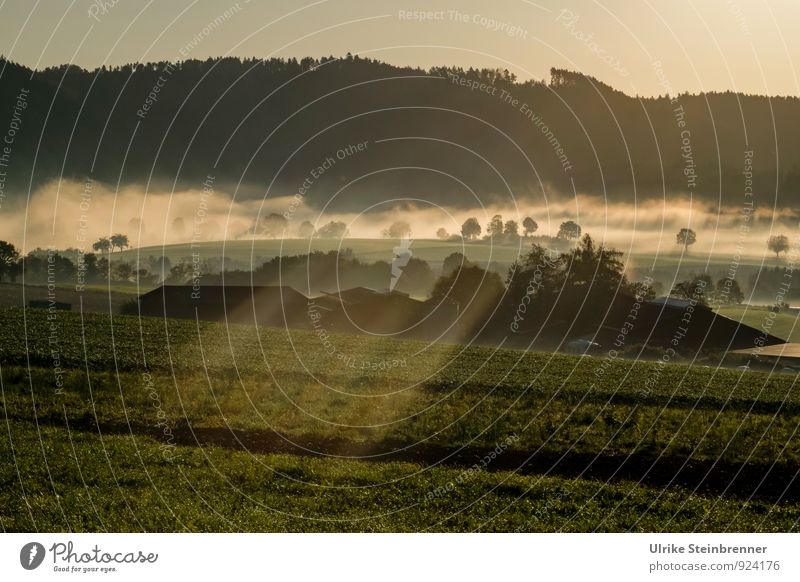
<point>703,45</point>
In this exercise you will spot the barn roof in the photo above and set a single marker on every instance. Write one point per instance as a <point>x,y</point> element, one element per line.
<point>224,293</point>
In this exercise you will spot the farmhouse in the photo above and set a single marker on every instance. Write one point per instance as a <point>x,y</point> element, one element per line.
<point>369,311</point>
<point>365,310</point>
<point>678,324</point>
<point>278,306</point>
<point>356,310</point>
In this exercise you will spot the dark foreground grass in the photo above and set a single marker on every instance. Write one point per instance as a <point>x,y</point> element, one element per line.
<point>118,483</point>
<point>426,420</point>
<point>169,425</point>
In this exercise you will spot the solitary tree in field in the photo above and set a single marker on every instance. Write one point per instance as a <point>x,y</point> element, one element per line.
<point>442,234</point>
<point>119,241</point>
<point>778,244</point>
<point>569,230</point>
<point>8,259</point>
<point>103,245</point>
<point>495,226</point>
<point>686,237</point>
<point>399,229</point>
<point>530,226</point>
<point>471,229</point>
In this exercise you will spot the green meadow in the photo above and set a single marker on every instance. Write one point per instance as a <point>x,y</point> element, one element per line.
<point>121,424</point>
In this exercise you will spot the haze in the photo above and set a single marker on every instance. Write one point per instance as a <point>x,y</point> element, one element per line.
<point>54,218</point>
<point>713,45</point>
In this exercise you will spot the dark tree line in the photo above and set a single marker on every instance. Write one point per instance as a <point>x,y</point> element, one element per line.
<point>329,271</point>
<point>545,288</point>
<point>596,127</point>
<point>72,267</point>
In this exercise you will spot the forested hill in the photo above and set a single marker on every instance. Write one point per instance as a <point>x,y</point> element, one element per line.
<point>447,135</point>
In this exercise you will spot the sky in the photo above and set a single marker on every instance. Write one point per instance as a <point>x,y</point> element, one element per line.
<point>642,47</point>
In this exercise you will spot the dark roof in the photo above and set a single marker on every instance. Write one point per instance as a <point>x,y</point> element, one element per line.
<point>226,293</point>
<point>671,322</point>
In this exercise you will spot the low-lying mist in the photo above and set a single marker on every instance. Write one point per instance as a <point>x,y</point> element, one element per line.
<point>71,214</point>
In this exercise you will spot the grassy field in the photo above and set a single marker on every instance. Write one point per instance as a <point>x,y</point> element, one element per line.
<point>433,251</point>
<point>784,325</point>
<point>258,251</point>
<point>177,425</point>
<point>96,298</point>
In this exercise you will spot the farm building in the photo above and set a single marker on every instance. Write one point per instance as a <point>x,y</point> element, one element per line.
<point>679,324</point>
<point>268,305</point>
<point>357,310</point>
<point>365,310</point>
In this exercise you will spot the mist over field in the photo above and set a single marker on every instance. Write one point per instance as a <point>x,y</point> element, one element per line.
<point>67,213</point>
<point>229,141</point>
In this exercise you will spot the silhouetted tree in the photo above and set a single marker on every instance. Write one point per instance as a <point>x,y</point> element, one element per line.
<point>9,256</point>
<point>511,230</point>
<point>699,288</point>
<point>728,292</point>
<point>530,226</point>
<point>122,272</point>
<point>495,227</point>
<point>442,234</point>
<point>566,97</point>
<point>778,244</point>
<point>399,229</point>
<point>471,229</point>
<point>594,266</point>
<point>417,275</point>
<point>645,291</point>
<point>119,241</point>
<point>306,229</point>
<point>179,274</point>
<point>103,245</point>
<point>48,266</point>
<point>686,237</point>
<point>453,262</point>
<point>333,229</point>
<point>102,268</point>
<point>576,287</point>
<point>569,230</point>
<point>273,225</point>
<point>91,267</point>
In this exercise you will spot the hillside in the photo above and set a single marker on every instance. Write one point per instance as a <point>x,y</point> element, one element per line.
<point>262,126</point>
